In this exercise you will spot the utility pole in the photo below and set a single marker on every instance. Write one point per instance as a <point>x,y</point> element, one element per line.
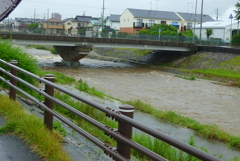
<point>34,14</point>
<point>195,21</point>
<point>102,15</point>
<point>201,24</point>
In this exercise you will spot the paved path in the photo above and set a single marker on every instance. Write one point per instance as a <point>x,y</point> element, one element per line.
<point>13,148</point>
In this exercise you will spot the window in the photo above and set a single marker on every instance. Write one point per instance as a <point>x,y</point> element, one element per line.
<point>163,22</point>
<point>51,23</point>
<point>69,23</point>
<point>51,31</point>
<point>189,25</point>
<point>139,22</point>
<point>58,24</point>
<point>151,23</point>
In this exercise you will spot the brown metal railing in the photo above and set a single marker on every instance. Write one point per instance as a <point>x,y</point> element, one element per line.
<point>124,117</point>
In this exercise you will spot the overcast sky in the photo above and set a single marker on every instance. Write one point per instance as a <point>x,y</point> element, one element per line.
<point>71,8</point>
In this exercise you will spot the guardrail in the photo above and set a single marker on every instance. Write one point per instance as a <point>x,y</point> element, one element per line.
<point>123,117</point>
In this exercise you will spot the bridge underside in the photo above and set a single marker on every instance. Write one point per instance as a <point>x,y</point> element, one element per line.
<point>72,54</point>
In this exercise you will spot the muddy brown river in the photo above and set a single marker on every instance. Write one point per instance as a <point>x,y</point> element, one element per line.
<point>202,100</point>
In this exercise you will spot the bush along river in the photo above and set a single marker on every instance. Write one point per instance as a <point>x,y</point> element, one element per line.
<point>202,100</point>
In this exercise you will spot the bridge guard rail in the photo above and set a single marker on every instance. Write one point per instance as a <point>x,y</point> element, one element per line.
<point>124,118</point>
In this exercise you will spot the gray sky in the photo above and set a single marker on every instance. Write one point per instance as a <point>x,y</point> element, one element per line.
<point>71,8</point>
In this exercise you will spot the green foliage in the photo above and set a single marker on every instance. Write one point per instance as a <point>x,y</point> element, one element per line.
<point>237,11</point>
<point>33,26</point>
<point>104,33</point>
<point>208,131</point>
<point>58,127</point>
<point>209,32</point>
<point>165,30</point>
<point>47,144</point>
<point>9,52</point>
<point>187,78</point>
<point>83,86</point>
<point>236,40</point>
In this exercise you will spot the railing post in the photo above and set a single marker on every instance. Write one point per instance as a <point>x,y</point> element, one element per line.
<point>12,91</point>
<point>125,130</point>
<point>48,117</point>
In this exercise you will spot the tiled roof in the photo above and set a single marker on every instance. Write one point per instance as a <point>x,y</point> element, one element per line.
<point>191,16</point>
<point>167,15</point>
<point>54,20</point>
<point>67,19</point>
<point>114,18</point>
<point>83,18</point>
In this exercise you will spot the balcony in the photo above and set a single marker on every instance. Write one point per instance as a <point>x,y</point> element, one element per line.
<point>148,25</point>
<point>138,24</point>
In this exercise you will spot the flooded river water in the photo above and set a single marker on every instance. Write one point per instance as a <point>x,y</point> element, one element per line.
<point>202,100</point>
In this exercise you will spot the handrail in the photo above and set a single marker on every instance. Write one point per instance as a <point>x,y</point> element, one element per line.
<point>117,115</point>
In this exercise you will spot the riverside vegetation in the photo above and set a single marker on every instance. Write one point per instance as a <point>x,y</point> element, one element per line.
<point>15,53</point>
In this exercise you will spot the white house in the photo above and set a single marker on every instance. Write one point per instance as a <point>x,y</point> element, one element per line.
<point>134,20</point>
<point>221,29</point>
<point>113,21</point>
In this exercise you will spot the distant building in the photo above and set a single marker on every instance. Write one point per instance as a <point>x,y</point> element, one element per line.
<point>56,16</point>
<point>134,20</point>
<point>221,30</point>
<point>53,26</point>
<point>188,20</point>
<point>113,21</point>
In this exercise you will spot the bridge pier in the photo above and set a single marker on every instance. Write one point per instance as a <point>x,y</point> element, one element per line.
<point>72,54</point>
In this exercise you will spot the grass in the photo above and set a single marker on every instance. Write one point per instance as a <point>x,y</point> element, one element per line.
<point>45,143</point>
<point>83,86</point>
<point>207,131</point>
<point>45,47</point>
<point>222,73</point>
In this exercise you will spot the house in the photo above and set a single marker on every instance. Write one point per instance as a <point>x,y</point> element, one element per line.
<point>113,21</point>
<point>53,26</point>
<point>134,20</point>
<point>80,24</point>
<point>21,24</point>
<point>67,26</point>
<point>221,30</point>
<point>189,18</point>
<point>93,28</point>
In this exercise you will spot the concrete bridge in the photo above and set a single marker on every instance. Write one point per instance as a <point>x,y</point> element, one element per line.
<point>72,49</point>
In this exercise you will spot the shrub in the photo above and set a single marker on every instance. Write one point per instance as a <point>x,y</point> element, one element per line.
<point>236,39</point>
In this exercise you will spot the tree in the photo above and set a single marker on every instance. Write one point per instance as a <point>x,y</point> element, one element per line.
<point>33,26</point>
<point>209,32</point>
<point>237,13</point>
<point>165,30</point>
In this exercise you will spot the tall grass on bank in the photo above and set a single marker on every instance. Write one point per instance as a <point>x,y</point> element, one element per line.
<point>83,86</point>
<point>46,47</point>
<point>91,112</point>
<point>9,52</point>
<point>222,73</point>
<point>208,131</point>
<point>45,143</point>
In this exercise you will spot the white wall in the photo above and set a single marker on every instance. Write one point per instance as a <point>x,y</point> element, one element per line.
<point>113,25</point>
<point>126,19</point>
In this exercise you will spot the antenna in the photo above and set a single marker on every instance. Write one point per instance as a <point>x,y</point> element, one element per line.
<point>187,6</point>
<point>217,14</point>
<point>150,4</point>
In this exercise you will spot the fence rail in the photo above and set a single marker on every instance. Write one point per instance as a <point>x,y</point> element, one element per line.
<point>123,116</point>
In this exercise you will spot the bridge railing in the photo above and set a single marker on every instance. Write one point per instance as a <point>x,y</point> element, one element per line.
<point>123,117</point>
<point>167,38</point>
